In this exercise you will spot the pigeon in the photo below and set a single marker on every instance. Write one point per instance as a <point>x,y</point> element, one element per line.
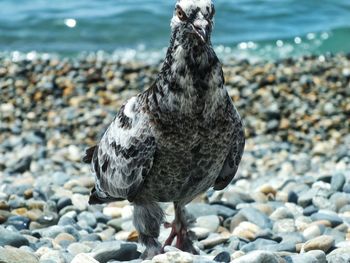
<point>175,140</point>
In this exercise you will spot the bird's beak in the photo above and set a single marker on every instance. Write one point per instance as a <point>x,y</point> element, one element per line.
<point>200,29</point>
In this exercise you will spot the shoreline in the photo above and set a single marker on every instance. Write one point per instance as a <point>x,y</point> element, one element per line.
<point>291,194</point>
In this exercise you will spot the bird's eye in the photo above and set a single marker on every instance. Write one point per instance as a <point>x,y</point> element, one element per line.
<point>181,14</point>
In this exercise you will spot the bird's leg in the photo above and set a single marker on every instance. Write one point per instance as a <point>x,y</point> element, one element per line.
<point>179,230</point>
<point>147,219</point>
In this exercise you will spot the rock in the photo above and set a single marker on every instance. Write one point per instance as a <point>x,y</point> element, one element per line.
<point>252,215</point>
<point>84,258</point>
<point>281,213</point>
<point>22,165</point>
<point>199,209</point>
<point>213,241</point>
<point>9,238</point>
<point>246,230</point>
<point>313,231</point>
<point>309,210</point>
<point>63,202</point>
<point>88,218</point>
<point>337,181</point>
<point>323,243</point>
<point>333,218</point>
<point>115,250</point>
<point>339,255</point>
<point>173,257</point>
<point>258,244</point>
<point>314,256</point>
<point>222,257</point>
<point>80,201</point>
<point>284,226</point>
<point>19,222</point>
<point>78,248</point>
<point>210,222</point>
<point>63,239</point>
<point>15,255</point>
<point>200,232</point>
<point>53,256</point>
<point>259,256</point>
<point>113,211</point>
<point>305,198</point>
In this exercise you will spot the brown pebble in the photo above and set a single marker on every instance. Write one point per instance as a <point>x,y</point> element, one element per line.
<point>28,193</point>
<point>323,243</point>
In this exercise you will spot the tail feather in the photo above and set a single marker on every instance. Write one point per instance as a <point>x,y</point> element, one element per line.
<point>89,153</point>
<point>96,199</point>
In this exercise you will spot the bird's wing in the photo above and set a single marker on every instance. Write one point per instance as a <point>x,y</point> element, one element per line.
<point>124,155</point>
<point>234,156</point>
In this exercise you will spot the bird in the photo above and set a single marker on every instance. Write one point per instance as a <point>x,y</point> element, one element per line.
<point>176,139</point>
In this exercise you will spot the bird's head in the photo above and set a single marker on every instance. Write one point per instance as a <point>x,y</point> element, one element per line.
<point>192,22</point>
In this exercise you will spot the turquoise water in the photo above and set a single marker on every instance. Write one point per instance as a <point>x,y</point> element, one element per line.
<point>245,28</point>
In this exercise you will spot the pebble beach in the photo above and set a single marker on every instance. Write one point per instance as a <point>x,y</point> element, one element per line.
<point>289,202</point>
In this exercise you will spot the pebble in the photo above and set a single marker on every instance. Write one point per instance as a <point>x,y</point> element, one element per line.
<point>333,218</point>
<point>210,222</point>
<point>78,248</point>
<point>84,258</point>
<point>15,255</point>
<point>339,255</point>
<point>314,256</point>
<point>259,256</point>
<point>291,189</point>
<point>10,238</point>
<point>323,243</point>
<point>337,182</point>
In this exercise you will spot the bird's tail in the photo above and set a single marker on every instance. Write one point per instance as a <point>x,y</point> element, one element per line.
<point>96,199</point>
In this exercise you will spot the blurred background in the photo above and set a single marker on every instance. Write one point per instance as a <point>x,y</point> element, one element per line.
<point>244,28</point>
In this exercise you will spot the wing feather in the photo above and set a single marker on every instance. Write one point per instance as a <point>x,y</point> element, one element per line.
<point>124,155</point>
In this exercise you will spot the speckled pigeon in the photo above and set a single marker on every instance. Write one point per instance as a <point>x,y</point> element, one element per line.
<point>176,139</point>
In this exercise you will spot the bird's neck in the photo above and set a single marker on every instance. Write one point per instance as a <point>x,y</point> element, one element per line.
<point>190,78</point>
<point>190,67</point>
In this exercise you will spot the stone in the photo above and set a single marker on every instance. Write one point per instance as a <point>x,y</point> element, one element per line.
<point>15,255</point>
<point>88,218</point>
<point>115,250</point>
<point>80,201</point>
<point>200,209</point>
<point>19,222</point>
<point>284,226</point>
<point>337,181</point>
<point>210,222</point>
<point>313,231</point>
<point>323,243</point>
<point>259,256</point>
<point>212,241</point>
<point>309,210</point>
<point>258,244</point>
<point>222,257</point>
<point>305,198</point>
<point>281,213</point>
<point>339,255</point>
<point>84,258</point>
<point>173,257</point>
<point>78,248</point>
<point>9,238</point>
<point>306,258</point>
<point>252,215</point>
<point>333,218</point>
<point>246,230</point>
<point>113,211</point>
<point>63,239</point>
<point>53,256</point>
